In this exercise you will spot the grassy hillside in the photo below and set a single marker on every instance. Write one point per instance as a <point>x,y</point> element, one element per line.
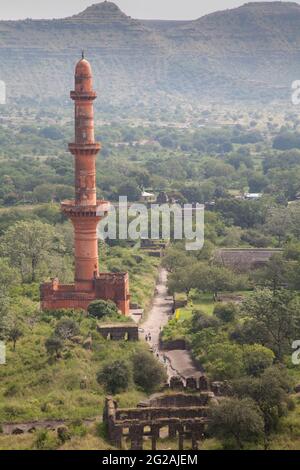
<point>247,52</point>
<point>35,386</point>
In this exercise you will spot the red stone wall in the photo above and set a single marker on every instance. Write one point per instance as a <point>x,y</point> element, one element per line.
<point>108,286</point>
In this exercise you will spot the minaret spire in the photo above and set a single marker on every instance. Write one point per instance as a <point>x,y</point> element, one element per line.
<point>85,211</point>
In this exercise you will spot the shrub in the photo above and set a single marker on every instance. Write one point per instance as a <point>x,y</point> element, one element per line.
<point>270,392</point>
<point>101,308</point>
<point>250,332</point>
<point>78,428</point>
<point>201,321</point>
<point>224,361</point>
<point>240,420</point>
<point>66,328</point>
<point>54,346</point>
<point>63,434</point>
<point>45,441</point>
<point>257,358</point>
<point>226,312</point>
<point>115,376</point>
<point>12,390</point>
<point>147,372</point>
<point>62,313</point>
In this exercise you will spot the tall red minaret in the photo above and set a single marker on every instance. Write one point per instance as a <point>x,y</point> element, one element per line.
<point>85,212</point>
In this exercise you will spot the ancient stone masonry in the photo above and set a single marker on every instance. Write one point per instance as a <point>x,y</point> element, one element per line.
<point>85,213</point>
<point>190,383</point>
<point>184,415</point>
<point>243,260</point>
<point>119,331</point>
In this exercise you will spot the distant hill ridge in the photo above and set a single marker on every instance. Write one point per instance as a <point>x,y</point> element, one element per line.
<point>250,52</point>
<point>101,11</point>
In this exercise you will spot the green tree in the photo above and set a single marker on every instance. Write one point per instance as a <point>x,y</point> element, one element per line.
<point>175,258</point>
<point>238,419</point>
<point>14,334</point>
<point>274,275</point>
<point>129,189</point>
<point>26,244</point>
<point>279,315</point>
<point>54,346</point>
<point>205,278</point>
<point>219,279</point>
<point>257,358</point>
<point>182,280</point>
<point>278,222</point>
<point>201,321</point>
<point>286,140</point>
<point>226,312</point>
<point>148,373</point>
<point>9,277</point>
<point>250,331</point>
<point>270,392</point>
<point>52,132</point>
<point>66,328</point>
<point>102,308</point>
<point>115,376</point>
<point>44,192</point>
<point>245,214</point>
<point>224,361</point>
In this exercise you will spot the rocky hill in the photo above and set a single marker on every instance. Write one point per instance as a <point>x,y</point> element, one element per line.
<point>251,52</point>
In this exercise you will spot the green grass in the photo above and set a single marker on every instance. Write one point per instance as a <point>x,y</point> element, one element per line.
<point>177,327</point>
<point>34,387</point>
<point>203,302</point>
<point>142,269</point>
<point>288,437</point>
<point>93,440</point>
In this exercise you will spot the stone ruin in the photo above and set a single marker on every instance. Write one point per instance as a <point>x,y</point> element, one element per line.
<point>190,383</point>
<point>243,260</point>
<point>119,331</point>
<point>183,415</point>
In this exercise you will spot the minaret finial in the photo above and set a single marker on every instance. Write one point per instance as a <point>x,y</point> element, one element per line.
<point>82,53</point>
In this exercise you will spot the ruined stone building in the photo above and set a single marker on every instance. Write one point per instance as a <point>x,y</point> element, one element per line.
<point>243,260</point>
<point>85,212</point>
<point>181,415</point>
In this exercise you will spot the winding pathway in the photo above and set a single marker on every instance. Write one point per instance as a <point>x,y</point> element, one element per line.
<point>177,362</point>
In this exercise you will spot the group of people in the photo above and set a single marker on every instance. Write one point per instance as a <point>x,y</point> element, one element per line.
<point>148,337</point>
<point>161,357</point>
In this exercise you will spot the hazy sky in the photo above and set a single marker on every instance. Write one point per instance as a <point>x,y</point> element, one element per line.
<point>165,9</point>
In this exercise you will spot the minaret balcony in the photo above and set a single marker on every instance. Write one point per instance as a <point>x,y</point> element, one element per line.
<point>85,149</point>
<point>83,95</point>
<point>74,209</point>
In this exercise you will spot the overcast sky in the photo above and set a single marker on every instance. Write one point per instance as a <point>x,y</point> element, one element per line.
<point>164,9</point>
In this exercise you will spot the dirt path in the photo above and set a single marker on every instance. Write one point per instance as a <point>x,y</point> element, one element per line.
<point>177,362</point>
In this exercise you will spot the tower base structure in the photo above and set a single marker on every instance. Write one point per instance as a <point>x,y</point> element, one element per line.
<point>106,286</point>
